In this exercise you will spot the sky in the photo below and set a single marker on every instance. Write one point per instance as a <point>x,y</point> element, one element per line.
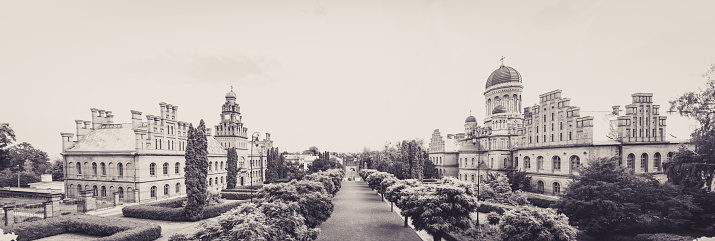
<point>339,75</point>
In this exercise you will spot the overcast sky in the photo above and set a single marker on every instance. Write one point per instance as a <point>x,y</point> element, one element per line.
<point>339,75</point>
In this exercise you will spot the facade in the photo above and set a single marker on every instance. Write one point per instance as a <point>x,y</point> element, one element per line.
<point>144,160</point>
<point>550,140</point>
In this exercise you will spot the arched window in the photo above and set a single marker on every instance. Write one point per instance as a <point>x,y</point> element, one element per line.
<point>556,162</point>
<point>216,181</point>
<point>94,168</point>
<point>104,168</point>
<point>630,161</point>
<point>506,163</point>
<point>152,169</point>
<point>575,163</point>
<point>120,169</point>
<point>104,191</point>
<point>557,188</point>
<point>178,187</point>
<point>527,162</point>
<point>216,167</point>
<point>71,190</point>
<point>165,168</point>
<point>540,186</point>
<point>176,167</point>
<point>95,192</point>
<point>79,169</point>
<point>539,163</point>
<point>153,191</point>
<point>166,189</point>
<point>644,162</point>
<point>656,161</point>
<point>211,181</point>
<point>516,159</point>
<point>472,161</point>
<point>79,189</point>
<point>221,179</point>
<point>670,156</point>
<point>210,164</point>
<point>120,190</point>
<point>221,166</point>
<point>473,178</point>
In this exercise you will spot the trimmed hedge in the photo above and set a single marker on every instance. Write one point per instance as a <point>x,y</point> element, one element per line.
<point>541,202</point>
<point>235,195</point>
<point>113,229</point>
<point>168,211</point>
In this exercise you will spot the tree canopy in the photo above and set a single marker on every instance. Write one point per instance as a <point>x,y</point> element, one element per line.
<point>196,171</point>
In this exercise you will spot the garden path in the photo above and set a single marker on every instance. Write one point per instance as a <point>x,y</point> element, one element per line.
<point>360,214</point>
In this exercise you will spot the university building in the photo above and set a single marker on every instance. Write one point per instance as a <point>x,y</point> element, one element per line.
<point>144,160</point>
<point>551,139</point>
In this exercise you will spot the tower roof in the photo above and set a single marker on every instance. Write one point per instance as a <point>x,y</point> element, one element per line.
<point>230,94</point>
<point>471,118</point>
<point>503,74</point>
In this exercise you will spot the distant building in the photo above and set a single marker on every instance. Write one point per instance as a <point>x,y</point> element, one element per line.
<point>144,160</point>
<point>550,140</point>
<point>303,160</point>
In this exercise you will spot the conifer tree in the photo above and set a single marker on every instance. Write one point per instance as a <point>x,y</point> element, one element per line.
<point>196,171</point>
<point>231,168</point>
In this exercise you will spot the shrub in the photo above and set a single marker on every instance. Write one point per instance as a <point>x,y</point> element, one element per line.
<point>218,209</point>
<point>155,212</point>
<point>661,237</point>
<point>532,223</point>
<point>113,229</point>
<point>485,207</point>
<point>235,195</point>
<point>541,202</point>
<point>493,218</point>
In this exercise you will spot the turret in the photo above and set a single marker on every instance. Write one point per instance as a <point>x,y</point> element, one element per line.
<point>616,109</point>
<point>136,118</point>
<point>67,141</point>
<point>82,128</point>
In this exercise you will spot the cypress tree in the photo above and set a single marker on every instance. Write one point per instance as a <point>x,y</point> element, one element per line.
<point>196,171</point>
<point>232,168</point>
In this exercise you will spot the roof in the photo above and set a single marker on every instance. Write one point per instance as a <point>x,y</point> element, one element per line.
<point>108,140</point>
<point>503,74</point>
<point>214,146</point>
<point>471,118</point>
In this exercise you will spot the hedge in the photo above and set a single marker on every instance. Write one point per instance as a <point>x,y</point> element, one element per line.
<point>164,211</point>
<point>235,195</point>
<point>114,229</point>
<point>541,202</point>
<point>485,207</point>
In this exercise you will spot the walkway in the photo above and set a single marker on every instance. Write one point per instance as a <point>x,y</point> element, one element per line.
<point>360,214</point>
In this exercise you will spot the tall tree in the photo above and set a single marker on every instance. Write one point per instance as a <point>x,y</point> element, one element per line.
<point>696,169</point>
<point>231,168</point>
<point>18,154</point>
<point>7,135</point>
<point>196,170</point>
<point>313,150</point>
<point>58,170</point>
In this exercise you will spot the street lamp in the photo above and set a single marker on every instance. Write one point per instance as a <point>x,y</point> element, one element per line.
<point>254,141</point>
<point>18,176</point>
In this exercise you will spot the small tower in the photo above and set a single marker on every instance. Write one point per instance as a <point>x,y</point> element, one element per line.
<point>231,132</point>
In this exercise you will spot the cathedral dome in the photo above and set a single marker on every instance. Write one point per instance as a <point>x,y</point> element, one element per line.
<point>470,119</point>
<point>499,109</point>
<point>230,94</point>
<point>503,74</point>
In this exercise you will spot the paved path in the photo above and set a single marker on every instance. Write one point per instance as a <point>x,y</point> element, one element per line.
<point>360,214</point>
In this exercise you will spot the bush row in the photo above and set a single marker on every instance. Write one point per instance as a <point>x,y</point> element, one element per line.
<point>541,202</point>
<point>113,229</point>
<point>285,211</point>
<point>235,195</point>
<point>173,211</point>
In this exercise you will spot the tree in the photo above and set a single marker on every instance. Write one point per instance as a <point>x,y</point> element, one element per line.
<point>314,201</point>
<point>58,170</point>
<point>313,151</point>
<point>606,198</point>
<point>322,164</point>
<point>231,168</point>
<point>696,169</point>
<point>430,171</point>
<point>519,180</point>
<point>18,154</point>
<point>196,170</point>
<point>441,209</point>
<point>7,135</point>
<point>539,224</point>
<point>496,188</point>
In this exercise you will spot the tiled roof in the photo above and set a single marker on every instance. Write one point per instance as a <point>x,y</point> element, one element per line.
<point>107,140</point>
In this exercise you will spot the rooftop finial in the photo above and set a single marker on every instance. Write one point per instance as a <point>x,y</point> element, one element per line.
<point>232,85</point>
<point>502,60</point>
<point>470,112</point>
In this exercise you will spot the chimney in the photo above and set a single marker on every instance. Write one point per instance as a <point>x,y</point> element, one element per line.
<point>162,108</point>
<point>82,128</point>
<point>616,109</point>
<point>67,141</point>
<point>110,117</point>
<point>208,132</point>
<point>136,118</point>
<point>175,115</point>
<point>140,142</point>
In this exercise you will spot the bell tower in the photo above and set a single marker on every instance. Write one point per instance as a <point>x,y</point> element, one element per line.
<point>231,132</point>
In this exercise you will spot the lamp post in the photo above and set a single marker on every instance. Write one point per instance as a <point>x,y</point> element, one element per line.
<point>18,176</point>
<point>254,141</point>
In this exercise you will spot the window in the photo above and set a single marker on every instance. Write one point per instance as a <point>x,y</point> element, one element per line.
<point>556,162</point>
<point>178,188</point>
<point>104,191</point>
<point>644,161</point>
<point>176,167</point>
<point>120,169</point>
<point>569,135</point>
<point>216,181</point>
<point>79,169</point>
<point>472,161</point>
<point>539,163</point>
<point>575,162</point>
<point>95,191</point>
<point>166,189</point>
<point>210,164</point>
<point>537,129</point>
<point>94,168</point>
<point>516,161</point>
<point>527,162</point>
<point>104,168</point>
<point>561,125</point>
<point>153,191</point>
<point>120,190</point>
<point>561,136</point>
<point>472,178</point>
<point>221,166</point>
<point>216,166</point>
<point>221,179</point>
<point>557,188</point>
<point>630,161</point>
<point>506,163</point>
<point>152,169</point>
<point>540,186</point>
<point>656,161</point>
<point>165,168</point>
<point>211,181</point>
